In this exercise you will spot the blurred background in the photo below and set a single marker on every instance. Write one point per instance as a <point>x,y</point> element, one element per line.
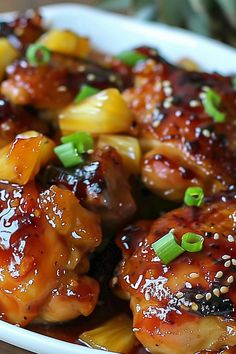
<point>212,18</point>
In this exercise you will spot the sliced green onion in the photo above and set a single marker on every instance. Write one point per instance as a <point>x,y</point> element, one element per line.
<point>211,104</point>
<point>68,155</point>
<point>193,196</point>
<point>166,248</point>
<point>192,242</point>
<point>81,140</point>
<point>130,57</point>
<point>86,91</point>
<point>37,54</point>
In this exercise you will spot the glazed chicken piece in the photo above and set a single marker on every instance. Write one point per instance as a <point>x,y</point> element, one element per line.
<point>45,239</point>
<point>101,185</point>
<point>23,30</point>
<point>15,120</point>
<point>184,145</point>
<point>62,77</point>
<point>187,306</point>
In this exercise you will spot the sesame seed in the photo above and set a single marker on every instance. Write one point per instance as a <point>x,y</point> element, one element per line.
<point>62,88</point>
<point>227,264</point>
<point>90,151</point>
<point>216,236</point>
<point>91,77</point>
<point>166,104</point>
<point>168,90</point>
<point>216,292</point>
<point>202,95</point>
<point>158,86</point>
<point>230,279</point>
<point>208,296</point>
<point>112,78</point>
<point>230,238</point>
<point>156,123</point>
<point>188,285</point>
<point>219,274</point>
<point>194,275</point>
<point>166,83</point>
<point>199,296</point>
<point>234,261</point>
<point>206,133</point>
<point>194,103</point>
<point>205,88</point>
<point>147,296</point>
<point>81,68</point>
<point>226,256</point>
<point>224,289</point>
<point>179,294</point>
<point>194,306</point>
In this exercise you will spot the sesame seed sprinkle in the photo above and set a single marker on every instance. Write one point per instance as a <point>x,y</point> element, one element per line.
<point>194,275</point>
<point>208,296</point>
<point>156,123</point>
<point>166,83</point>
<point>224,289</point>
<point>199,296</point>
<point>205,88</point>
<point>91,77</point>
<point>230,279</point>
<point>179,294</point>
<point>62,88</point>
<point>194,103</point>
<point>166,104</point>
<point>216,292</point>
<point>219,274</point>
<point>230,238</point>
<point>234,261</point>
<point>202,95</point>
<point>168,90</point>
<point>206,133</point>
<point>194,306</point>
<point>227,264</point>
<point>226,256</point>
<point>216,236</point>
<point>147,296</point>
<point>188,285</point>
<point>112,78</point>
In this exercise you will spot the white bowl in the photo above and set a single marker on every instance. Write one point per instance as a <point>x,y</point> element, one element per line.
<point>113,33</point>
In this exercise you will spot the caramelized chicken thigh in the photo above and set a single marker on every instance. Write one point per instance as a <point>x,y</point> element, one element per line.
<point>100,185</point>
<point>62,77</point>
<point>45,240</point>
<point>187,306</point>
<point>185,145</point>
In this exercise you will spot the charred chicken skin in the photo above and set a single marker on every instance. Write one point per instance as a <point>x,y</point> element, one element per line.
<point>187,306</point>
<point>184,144</point>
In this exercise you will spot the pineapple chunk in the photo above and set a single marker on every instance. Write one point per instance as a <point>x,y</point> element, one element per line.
<point>115,335</point>
<point>66,42</point>
<point>105,112</point>
<point>23,158</point>
<point>127,147</point>
<point>7,54</point>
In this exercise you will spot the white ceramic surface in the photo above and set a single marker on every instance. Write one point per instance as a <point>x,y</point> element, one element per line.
<point>113,33</point>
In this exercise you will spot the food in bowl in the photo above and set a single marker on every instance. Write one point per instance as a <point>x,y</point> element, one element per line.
<point>98,153</point>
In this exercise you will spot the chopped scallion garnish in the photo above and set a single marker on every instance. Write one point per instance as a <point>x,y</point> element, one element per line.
<point>211,105</point>
<point>193,196</point>
<point>192,242</point>
<point>81,140</point>
<point>167,248</point>
<point>86,91</point>
<point>37,54</point>
<point>131,57</point>
<point>68,155</point>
